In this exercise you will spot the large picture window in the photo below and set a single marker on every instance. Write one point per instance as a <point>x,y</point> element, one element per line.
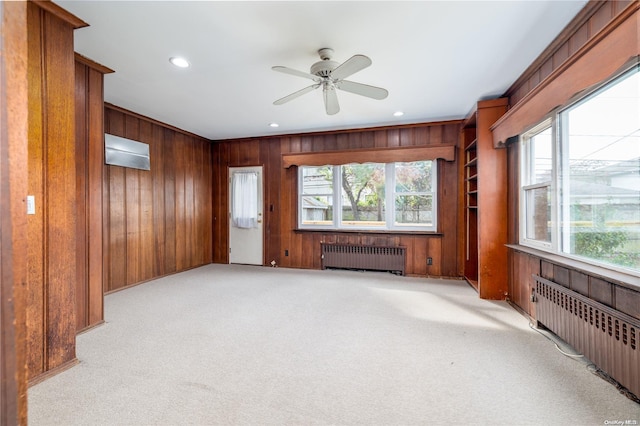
<point>580,178</point>
<point>369,196</point>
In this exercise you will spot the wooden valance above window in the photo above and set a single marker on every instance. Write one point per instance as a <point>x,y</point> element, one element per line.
<point>375,155</point>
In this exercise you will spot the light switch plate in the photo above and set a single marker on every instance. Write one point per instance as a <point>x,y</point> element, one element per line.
<point>31,204</point>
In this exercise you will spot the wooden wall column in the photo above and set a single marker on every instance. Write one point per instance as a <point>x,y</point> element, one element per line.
<point>90,164</point>
<point>51,231</point>
<point>13,187</point>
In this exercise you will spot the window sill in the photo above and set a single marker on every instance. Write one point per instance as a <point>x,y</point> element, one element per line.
<point>622,279</point>
<point>367,232</point>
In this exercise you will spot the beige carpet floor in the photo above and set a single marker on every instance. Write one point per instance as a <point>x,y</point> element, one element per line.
<point>241,345</point>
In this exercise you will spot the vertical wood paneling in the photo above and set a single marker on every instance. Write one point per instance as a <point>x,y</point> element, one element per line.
<point>52,231</point>
<point>156,151</point>
<point>159,221</point>
<point>36,297</point>
<point>407,137</point>
<point>594,17</point>
<point>114,201</point>
<point>94,200</point>
<point>180,205</point>
<point>281,194</point>
<point>82,293</point>
<point>116,229</point>
<point>522,267</point>
<point>89,166</point>
<point>202,202</point>
<point>14,116</point>
<point>220,249</point>
<point>146,246</point>
<point>132,198</point>
<point>448,222</point>
<point>168,165</point>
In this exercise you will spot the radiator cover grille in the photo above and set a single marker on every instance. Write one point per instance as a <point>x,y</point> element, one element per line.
<point>607,337</point>
<point>370,258</point>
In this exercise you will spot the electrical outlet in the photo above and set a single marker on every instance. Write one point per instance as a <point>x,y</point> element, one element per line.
<point>429,261</point>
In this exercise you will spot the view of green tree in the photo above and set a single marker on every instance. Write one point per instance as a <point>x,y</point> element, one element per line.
<point>369,195</point>
<point>364,179</point>
<point>413,180</point>
<point>413,177</point>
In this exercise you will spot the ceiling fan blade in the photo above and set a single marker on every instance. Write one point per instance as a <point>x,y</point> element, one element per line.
<point>362,89</point>
<point>296,73</point>
<point>350,66</point>
<point>331,100</point>
<point>296,94</point>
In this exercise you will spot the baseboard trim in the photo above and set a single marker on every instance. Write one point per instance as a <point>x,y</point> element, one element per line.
<point>54,371</point>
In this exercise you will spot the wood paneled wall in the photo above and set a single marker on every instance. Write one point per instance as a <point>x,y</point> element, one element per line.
<point>51,231</point>
<point>280,195</point>
<point>606,37</point>
<point>602,38</point>
<point>13,187</point>
<point>584,28</point>
<point>156,222</point>
<point>89,107</point>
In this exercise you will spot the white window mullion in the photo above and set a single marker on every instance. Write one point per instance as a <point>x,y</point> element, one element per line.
<point>390,195</point>
<point>563,198</point>
<point>337,196</point>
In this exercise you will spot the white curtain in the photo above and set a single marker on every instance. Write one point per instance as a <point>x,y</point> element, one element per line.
<point>244,208</point>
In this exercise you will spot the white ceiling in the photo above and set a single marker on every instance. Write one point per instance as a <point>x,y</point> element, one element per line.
<point>436,58</point>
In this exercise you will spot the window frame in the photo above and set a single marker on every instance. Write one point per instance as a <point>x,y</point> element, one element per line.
<point>389,222</point>
<point>527,169</point>
<point>560,214</point>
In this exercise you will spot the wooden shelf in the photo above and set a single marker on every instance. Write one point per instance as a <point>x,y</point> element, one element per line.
<point>485,254</point>
<point>471,162</point>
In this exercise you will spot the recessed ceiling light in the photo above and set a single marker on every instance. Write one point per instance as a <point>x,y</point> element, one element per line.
<point>398,114</point>
<point>179,62</point>
<point>274,125</point>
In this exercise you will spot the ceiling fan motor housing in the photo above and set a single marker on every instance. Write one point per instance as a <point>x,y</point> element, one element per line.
<point>323,68</point>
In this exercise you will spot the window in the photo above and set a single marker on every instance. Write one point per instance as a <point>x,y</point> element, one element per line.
<point>536,179</point>
<point>580,178</point>
<point>413,196</point>
<point>394,196</point>
<point>317,195</point>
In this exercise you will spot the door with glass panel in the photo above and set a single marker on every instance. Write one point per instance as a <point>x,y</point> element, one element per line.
<point>245,215</point>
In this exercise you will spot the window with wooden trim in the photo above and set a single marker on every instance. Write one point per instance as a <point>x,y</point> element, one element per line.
<point>368,196</point>
<point>580,178</point>
<point>537,177</point>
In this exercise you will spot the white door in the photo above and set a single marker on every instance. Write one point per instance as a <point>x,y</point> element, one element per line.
<point>245,215</point>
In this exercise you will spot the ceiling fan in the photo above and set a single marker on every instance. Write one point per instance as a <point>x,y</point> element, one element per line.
<point>330,76</point>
